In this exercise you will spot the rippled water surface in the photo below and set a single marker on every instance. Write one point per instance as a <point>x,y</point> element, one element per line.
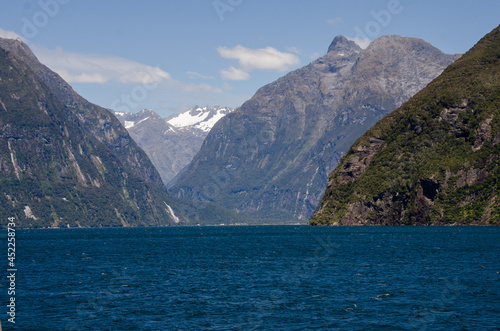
<point>261,277</point>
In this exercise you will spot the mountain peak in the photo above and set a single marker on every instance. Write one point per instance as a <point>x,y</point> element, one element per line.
<point>342,44</point>
<point>202,118</point>
<point>386,40</point>
<point>19,49</point>
<point>405,45</point>
<point>149,113</point>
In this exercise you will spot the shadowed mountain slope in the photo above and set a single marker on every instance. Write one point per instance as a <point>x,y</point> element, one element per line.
<point>65,161</point>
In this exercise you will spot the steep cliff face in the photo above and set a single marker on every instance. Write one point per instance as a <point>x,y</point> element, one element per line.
<point>94,120</point>
<point>435,160</point>
<point>271,157</point>
<point>68,165</point>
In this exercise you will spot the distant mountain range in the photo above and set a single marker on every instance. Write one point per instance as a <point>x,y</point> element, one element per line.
<point>270,159</point>
<point>65,161</point>
<point>433,161</point>
<point>171,143</point>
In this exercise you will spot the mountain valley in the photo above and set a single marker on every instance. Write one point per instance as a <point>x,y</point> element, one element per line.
<point>270,158</point>
<point>171,143</point>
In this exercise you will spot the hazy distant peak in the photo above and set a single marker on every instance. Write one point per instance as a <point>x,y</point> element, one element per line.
<point>342,44</point>
<point>149,113</point>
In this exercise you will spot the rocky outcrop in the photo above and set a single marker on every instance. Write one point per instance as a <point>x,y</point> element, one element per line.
<point>360,161</point>
<point>270,159</point>
<point>438,163</point>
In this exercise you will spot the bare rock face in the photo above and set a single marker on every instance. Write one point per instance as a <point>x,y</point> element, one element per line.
<point>437,162</point>
<point>270,158</point>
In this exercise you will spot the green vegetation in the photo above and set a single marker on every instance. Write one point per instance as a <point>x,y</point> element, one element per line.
<point>440,156</point>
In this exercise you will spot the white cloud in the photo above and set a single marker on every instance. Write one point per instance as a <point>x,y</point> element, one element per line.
<point>227,87</point>
<point>200,88</point>
<point>9,34</point>
<point>267,58</point>
<point>195,75</point>
<point>334,21</point>
<point>142,86</point>
<point>362,42</point>
<point>315,55</point>
<point>295,50</point>
<point>99,69</point>
<point>234,74</point>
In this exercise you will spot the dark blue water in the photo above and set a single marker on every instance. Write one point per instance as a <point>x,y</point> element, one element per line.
<point>262,278</point>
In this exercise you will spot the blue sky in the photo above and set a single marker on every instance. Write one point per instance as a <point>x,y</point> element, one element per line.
<point>170,55</point>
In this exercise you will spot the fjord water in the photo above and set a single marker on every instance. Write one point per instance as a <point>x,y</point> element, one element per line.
<point>261,277</point>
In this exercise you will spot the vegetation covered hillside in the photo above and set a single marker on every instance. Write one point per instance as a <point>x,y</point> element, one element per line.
<point>435,160</point>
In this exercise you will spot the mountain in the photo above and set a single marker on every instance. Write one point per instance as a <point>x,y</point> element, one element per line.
<point>270,158</point>
<point>198,120</point>
<point>433,161</point>
<point>171,143</point>
<point>65,161</point>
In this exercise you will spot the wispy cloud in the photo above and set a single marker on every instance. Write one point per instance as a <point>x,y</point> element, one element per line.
<point>234,74</point>
<point>195,75</point>
<point>295,50</point>
<point>334,21</point>
<point>98,69</point>
<point>9,34</point>
<point>107,70</point>
<point>200,88</point>
<point>315,55</point>
<point>362,42</point>
<point>268,58</point>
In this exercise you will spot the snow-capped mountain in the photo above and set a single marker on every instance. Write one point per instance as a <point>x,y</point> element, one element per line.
<point>171,143</point>
<point>202,118</point>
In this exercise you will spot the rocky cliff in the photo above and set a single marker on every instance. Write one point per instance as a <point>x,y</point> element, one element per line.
<point>270,159</point>
<point>65,161</point>
<point>433,161</point>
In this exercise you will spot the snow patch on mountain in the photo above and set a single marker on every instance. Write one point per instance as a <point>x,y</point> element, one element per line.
<point>129,124</point>
<point>202,118</point>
